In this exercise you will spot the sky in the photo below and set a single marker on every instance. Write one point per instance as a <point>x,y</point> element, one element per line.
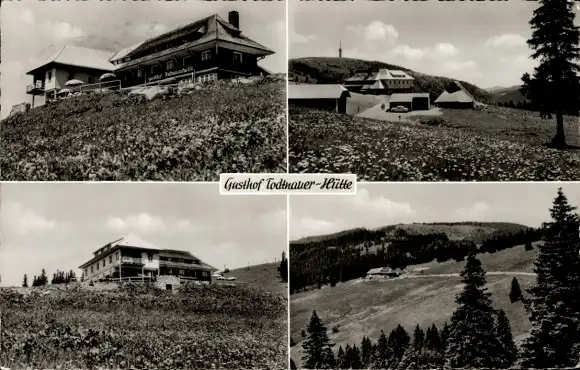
<point>377,205</point>
<point>59,225</point>
<point>30,27</point>
<point>482,42</point>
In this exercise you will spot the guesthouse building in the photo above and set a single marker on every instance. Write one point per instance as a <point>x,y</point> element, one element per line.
<point>132,257</point>
<point>384,273</point>
<point>381,82</point>
<point>206,50</point>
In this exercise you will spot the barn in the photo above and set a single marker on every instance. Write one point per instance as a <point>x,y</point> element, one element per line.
<point>384,273</point>
<point>413,102</point>
<point>455,96</point>
<point>331,97</point>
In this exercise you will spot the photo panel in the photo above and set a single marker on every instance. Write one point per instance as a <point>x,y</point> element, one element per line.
<point>392,91</point>
<point>142,276</point>
<point>427,276</point>
<point>158,91</point>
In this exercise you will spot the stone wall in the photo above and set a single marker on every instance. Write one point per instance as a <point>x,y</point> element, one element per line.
<point>163,282</point>
<point>20,108</point>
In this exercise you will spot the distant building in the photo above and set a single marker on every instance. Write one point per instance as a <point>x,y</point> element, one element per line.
<point>67,63</point>
<point>326,97</point>
<point>381,82</point>
<point>455,96</point>
<point>340,50</point>
<point>411,101</point>
<point>384,273</point>
<point>133,257</point>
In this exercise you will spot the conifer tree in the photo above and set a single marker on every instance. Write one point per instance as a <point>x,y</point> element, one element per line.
<point>397,343</point>
<point>347,356</point>
<point>515,291</point>
<point>554,302</point>
<point>25,281</point>
<point>555,44</point>
<point>382,353</point>
<point>432,339</point>
<point>317,347</point>
<point>472,336</point>
<point>508,350</point>
<point>418,337</point>
<point>340,358</point>
<point>354,357</point>
<point>366,351</point>
<point>444,337</point>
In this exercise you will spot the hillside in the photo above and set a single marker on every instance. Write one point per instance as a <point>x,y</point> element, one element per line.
<point>349,255</point>
<point>224,127</point>
<point>359,307</point>
<point>335,70</point>
<point>474,231</point>
<point>265,276</point>
<point>141,327</point>
<point>508,94</point>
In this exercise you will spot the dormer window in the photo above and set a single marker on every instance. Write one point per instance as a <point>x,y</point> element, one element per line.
<point>140,73</point>
<point>206,55</point>
<point>237,57</point>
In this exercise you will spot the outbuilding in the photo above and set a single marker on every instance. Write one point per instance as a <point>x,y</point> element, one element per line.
<point>331,97</point>
<point>411,101</point>
<point>456,96</point>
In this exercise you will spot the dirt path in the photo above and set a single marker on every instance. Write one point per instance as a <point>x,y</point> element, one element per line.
<point>519,273</point>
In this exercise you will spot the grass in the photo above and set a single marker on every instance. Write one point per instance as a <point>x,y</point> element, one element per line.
<point>202,327</point>
<point>494,145</point>
<point>221,128</point>
<point>364,308</point>
<point>265,276</point>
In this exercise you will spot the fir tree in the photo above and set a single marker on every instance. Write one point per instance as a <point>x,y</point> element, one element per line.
<point>354,359</point>
<point>382,353</point>
<point>418,337</point>
<point>515,291</point>
<point>317,347</point>
<point>508,351</point>
<point>366,351</point>
<point>432,339</point>
<point>340,358</point>
<point>554,302</point>
<point>398,342</point>
<point>472,337</point>
<point>444,337</point>
<point>555,44</point>
<point>25,281</point>
<point>346,360</point>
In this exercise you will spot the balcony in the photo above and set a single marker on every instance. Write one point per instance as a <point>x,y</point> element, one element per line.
<point>132,261</point>
<point>37,87</point>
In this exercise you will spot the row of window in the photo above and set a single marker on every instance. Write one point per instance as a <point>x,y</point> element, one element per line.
<point>117,257</point>
<point>70,76</point>
<point>171,64</point>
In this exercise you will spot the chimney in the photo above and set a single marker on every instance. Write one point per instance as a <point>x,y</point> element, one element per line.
<point>234,19</point>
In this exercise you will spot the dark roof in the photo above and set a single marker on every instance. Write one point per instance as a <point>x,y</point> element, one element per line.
<point>212,28</point>
<point>455,92</point>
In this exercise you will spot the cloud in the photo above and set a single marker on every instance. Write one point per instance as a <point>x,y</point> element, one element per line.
<point>16,218</point>
<point>64,31</point>
<point>363,201</point>
<point>148,224</point>
<point>508,40</point>
<point>302,39</point>
<point>476,211</point>
<point>376,31</point>
<point>440,51</point>
<point>308,226</point>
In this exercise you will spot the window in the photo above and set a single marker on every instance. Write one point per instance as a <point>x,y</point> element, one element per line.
<point>49,75</point>
<point>110,259</point>
<point>186,61</point>
<point>150,256</point>
<point>181,272</point>
<point>140,73</point>
<point>117,256</point>
<point>205,273</point>
<point>206,55</point>
<point>127,59</point>
<point>91,269</point>
<point>103,263</point>
<point>86,272</point>
<point>91,79</point>
<point>170,65</point>
<point>237,56</point>
<point>97,266</point>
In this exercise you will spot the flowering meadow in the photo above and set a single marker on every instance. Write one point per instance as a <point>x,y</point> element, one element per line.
<point>202,327</point>
<point>223,127</point>
<point>325,142</point>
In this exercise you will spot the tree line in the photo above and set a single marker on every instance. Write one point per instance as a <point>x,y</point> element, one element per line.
<point>352,255</point>
<point>478,335</point>
<point>59,277</point>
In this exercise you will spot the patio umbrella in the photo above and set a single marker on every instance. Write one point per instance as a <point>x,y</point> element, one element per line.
<point>107,77</point>
<point>73,83</point>
<point>64,91</point>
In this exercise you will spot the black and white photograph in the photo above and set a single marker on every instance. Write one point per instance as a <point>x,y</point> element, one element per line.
<point>431,276</point>
<point>142,276</point>
<point>435,90</point>
<point>150,90</point>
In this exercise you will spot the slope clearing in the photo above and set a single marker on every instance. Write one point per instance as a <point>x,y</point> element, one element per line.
<point>265,276</point>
